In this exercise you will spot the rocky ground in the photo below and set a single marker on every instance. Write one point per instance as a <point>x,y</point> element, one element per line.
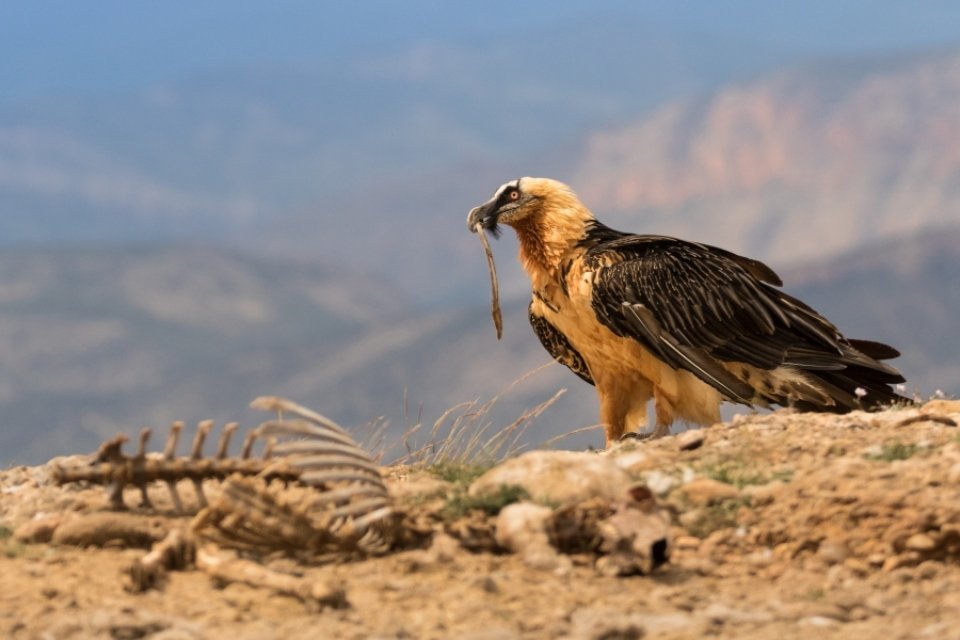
<point>784,525</point>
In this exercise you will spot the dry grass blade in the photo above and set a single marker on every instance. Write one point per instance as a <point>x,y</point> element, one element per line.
<point>464,433</point>
<point>494,284</point>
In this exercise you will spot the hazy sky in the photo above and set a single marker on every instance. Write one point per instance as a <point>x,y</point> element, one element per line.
<point>63,47</point>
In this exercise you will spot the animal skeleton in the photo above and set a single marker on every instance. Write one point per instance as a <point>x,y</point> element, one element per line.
<point>343,506</point>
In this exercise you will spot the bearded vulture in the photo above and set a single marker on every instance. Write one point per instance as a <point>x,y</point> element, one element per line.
<point>684,323</point>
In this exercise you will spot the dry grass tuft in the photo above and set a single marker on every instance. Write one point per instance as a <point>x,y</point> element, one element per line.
<point>465,435</point>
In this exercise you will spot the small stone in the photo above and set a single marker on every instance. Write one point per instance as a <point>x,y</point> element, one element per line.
<point>630,460</point>
<point>920,542</point>
<point>706,491</point>
<point>953,474</point>
<point>493,633</point>
<point>487,584</point>
<point>895,562</point>
<point>817,621</point>
<point>687,542</point>
<point>876,559</point>
<point>721,613</point>
<point>690,440</point>
<point>937,630</point>
<point>661,483</point>
<point>877,603</point>
<point>804,610</point>
<point>833,551</point>
<point>763,494</point>
<point>689,519</point>
<point>606,624</point>
<point>857,566</point>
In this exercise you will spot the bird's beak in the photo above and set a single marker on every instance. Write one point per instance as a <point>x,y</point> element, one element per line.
<point>485,215</point>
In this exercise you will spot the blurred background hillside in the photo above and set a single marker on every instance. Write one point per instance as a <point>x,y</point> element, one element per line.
<point>204,202</point>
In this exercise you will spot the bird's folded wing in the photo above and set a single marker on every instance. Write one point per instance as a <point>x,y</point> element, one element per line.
<point>696,307</point>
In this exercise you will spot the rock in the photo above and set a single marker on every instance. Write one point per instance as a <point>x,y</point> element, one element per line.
<point>941,407</point>
<point>39,530</point>
<point>690,440</point>
<point>817,621</point>
<point>660,624</point>
<point>687,542</point>
<point>953,474</point>
<point>443,548</point>
<point>636,537</point>
<point>856,566</point>
<point>833,551</point>
<point>763,494</point>
<point>442,551</point>
<point>706,491</point>
<point>558,477</point>
<point>522,529</point>
<point>920,542</point>
<point>628,460</point>
<point>605,624</point>
<point>661,483</point>
<point>721,613</point>
<point>493,633</point>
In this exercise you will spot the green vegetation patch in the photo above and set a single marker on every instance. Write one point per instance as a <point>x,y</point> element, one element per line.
<point>715,517</point>
<point>740,474</point>
<point>894,451</point>
<point>9,547</point>
<point>460,503</point>
<point>460,473</point>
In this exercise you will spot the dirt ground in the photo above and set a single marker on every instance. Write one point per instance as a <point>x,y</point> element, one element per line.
<point>784,525</point>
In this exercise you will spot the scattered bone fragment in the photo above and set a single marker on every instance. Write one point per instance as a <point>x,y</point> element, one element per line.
<point>227,567</point>
<point>110,528</point>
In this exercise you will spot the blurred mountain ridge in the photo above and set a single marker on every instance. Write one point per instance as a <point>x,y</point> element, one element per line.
<point>96,342</point>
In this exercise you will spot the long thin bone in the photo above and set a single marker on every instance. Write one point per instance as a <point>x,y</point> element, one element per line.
<point>142,447</point>
<point>224,443</point>
<point>494,284</point>
<point>203,429</point>
<point>173,437</point>
<point>298,427</point>
<point>278,404</point>
<point>139,457</point>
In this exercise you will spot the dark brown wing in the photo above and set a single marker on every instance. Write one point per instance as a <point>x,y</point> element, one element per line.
<point>558,346</point>
<point>696,306</point>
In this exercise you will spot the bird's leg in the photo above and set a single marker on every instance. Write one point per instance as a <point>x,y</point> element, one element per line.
<point>663,408</point>
<point>613,416</point>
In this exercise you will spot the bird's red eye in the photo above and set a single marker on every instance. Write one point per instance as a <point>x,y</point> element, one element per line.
<point>514,195</point>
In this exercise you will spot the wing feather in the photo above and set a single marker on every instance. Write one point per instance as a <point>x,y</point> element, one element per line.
<point>558,346</point>
<point>697,307</point>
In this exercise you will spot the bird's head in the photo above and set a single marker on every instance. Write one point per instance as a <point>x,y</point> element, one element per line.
<point>523,200</point>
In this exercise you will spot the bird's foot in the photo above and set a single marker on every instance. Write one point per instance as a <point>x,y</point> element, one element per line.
<point>658,432</point>
<point>637,436</point>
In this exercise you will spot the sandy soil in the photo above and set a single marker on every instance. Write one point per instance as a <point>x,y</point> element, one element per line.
<point>786,525</point>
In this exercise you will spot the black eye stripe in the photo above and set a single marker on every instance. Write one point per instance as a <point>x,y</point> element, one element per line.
<point>505,197</point>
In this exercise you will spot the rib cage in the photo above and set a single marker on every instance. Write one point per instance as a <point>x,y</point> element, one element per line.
<point>342,503</point>
<point>347,509</point>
